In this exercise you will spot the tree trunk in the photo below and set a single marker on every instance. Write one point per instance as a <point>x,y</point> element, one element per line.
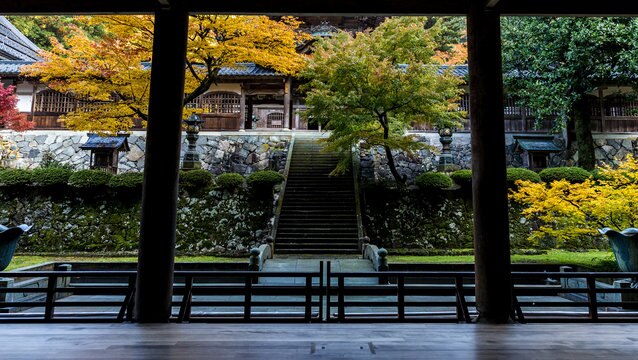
<point>388,154</point>
<point>584,139</point>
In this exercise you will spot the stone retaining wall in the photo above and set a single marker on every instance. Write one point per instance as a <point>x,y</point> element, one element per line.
<point>220,152</point>
<point>374,163</point>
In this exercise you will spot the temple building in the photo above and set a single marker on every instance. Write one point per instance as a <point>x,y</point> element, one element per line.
<point>250,97</point>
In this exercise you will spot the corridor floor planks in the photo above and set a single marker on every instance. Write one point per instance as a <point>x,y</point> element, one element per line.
<point>324,341</point>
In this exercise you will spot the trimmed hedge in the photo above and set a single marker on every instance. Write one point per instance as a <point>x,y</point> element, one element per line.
<point>433,181</point>
<point>195,179</point>
<point>264,179</point>
<point>51,176</point>
<point>230,181</point>
<point>15,177</point>
<point>127,181</point>
<point>87,179</point>
<point>514,174</point>
<point>572,174</point>
<point>463,178</point>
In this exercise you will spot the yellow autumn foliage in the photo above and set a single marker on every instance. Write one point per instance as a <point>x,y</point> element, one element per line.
<point>110,76</point>
<point>567,212</point>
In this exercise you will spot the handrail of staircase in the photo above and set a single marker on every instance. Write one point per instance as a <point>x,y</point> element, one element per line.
<point>356,168</point>
<point>280,201</point>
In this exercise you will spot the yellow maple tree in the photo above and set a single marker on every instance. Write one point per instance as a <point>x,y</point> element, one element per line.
<point>110,76</point>
<point>567,212</point>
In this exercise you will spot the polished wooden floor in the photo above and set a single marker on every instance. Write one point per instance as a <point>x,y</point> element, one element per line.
<point>325,341</point>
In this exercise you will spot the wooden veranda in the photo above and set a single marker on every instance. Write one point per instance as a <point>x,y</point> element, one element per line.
<point>158,224</point>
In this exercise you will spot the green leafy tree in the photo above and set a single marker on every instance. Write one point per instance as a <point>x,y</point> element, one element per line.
<point>559,60</point>
<point>40,29</point>
<point>372,87</point>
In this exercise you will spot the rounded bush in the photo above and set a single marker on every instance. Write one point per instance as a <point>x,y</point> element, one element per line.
<point>433,181</point>
<point>51,176</point>
<point>572,174</point>
<point>264,179</point>
<point>463,178</point>
<point>127,181</point>
<point>15,177</point>
<point>514,174</point>
<point>195,179</point>
<point>86,179</point>
<point>230,181</point>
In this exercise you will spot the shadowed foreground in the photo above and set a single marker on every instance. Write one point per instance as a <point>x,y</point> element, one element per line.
<point>329,341</point>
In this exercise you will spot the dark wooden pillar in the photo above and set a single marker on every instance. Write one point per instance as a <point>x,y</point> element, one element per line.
<point>249,112</point>
<point>489,189</point>
<point>163,140</point>
<point>287,102</point>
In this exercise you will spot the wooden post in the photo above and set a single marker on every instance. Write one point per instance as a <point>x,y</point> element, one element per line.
<point>163,140</point>
<point>489,189</point>
<point>601,103</point>
<point>287,90</point>
<point>242,109</point>
<point>249,110</point>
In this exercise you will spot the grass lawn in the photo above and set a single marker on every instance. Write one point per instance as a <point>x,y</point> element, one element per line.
<point>20,261</point>
<point>598,260</point>
<point>595,259</point>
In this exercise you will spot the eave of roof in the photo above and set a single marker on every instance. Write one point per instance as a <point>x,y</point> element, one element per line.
<point>14,45</point>
<point>96,142</point>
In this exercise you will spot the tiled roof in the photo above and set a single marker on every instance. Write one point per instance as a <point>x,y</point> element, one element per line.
<point>14,45</point>
<point>12,67</point>
<point>106,142</point>
<point>537,143</point>
<point>241,69</point>
<point>247,69</point>
<point>458,70</point>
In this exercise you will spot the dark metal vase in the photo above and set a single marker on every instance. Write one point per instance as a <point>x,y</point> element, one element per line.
<point>625,247</point>
<point>8,242</point>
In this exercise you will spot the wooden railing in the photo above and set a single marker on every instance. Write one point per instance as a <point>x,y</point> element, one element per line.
<point>121,284</point>
<point>452,290</point>
<point>249,296</point>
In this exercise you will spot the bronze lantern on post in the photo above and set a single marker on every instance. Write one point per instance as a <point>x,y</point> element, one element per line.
<point>191,157</point>
<point>446,160</point>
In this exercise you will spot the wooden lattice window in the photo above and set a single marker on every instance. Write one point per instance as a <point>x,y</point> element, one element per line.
<point>275,120</point>
<point>618,105</point>
<point>217,102</point>
<point>51,101</point>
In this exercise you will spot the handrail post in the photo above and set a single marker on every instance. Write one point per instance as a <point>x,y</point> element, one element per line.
<point>50,299</point>
<point>248,297</point>
<point>308,307</point>
<point>328,289</point>
<point>401,297</point>
<point>125,309</point>
<point>591,295</point>
<point>461,305</point>
<point>341,298</point>
<point>321,291</point>
<point>185,308</point>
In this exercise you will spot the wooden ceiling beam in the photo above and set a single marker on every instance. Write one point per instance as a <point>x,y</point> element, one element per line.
<point>326,7</point>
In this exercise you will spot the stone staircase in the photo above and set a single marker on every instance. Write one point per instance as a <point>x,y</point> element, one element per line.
<point>318,214</point>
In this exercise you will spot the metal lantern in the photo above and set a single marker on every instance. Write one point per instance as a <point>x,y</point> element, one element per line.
<point>446,161</point>
<point>191,157</point>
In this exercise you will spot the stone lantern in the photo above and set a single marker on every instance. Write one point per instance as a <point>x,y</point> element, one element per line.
<point>446,161</point>
<point>191,157</point>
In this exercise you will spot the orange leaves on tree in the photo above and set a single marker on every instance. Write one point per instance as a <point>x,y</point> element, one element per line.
<point>110,76</point>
